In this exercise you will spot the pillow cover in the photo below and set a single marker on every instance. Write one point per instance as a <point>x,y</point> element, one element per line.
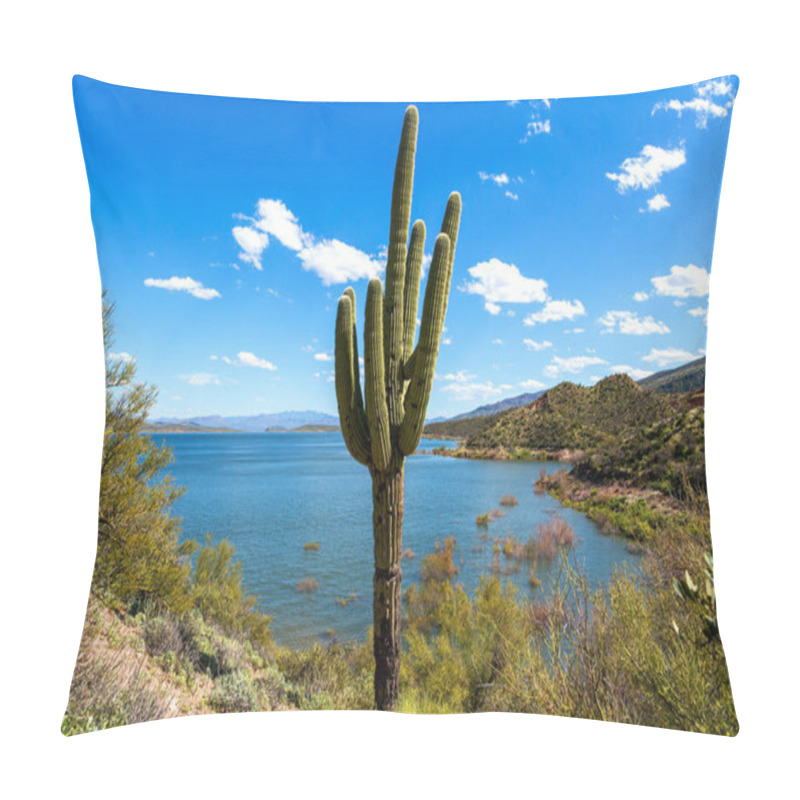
<point>355,462</point>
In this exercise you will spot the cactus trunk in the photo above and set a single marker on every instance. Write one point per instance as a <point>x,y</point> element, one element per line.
<point>387,522</point>
<point>385,425</point>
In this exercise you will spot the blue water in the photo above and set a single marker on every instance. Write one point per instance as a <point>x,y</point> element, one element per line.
<point>271,493</point>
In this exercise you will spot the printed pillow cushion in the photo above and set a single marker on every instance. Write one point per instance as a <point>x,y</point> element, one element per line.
<point>405,407</point>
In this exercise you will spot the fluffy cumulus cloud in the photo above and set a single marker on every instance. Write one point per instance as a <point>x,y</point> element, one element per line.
<point>251,244</point>
<point>657,202</point>
<point>712,99</point>
<point>645,170</point>
<point>332,260</point>
<point>536,346</point>
<point>498,282</point>
<point>634,372</point>
<point>188,285</point>
<point>323,357</point>
<point>627,322</point>
<point>572,365</point>
<point>669,356</point>
<point>688,281</point>
<point>640,297</point>
<point>555,310</point>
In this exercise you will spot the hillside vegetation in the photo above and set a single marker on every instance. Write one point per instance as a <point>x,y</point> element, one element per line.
<point>575,417</point>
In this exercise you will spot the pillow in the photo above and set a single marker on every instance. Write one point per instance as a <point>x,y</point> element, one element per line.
<point>357,458</point>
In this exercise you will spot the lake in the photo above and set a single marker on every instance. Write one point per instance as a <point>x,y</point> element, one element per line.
<point>271,493</point>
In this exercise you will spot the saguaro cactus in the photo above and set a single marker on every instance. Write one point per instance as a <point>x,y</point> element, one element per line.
<point>385,425</point>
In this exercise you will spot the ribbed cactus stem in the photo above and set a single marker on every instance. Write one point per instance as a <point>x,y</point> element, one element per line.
<point>416,250</point>
<point>394,307</point>
<point>430,332</point>
<point>374,377</point>
<point>348,386</point>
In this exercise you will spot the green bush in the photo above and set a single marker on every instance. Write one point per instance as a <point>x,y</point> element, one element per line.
<point>233,692</point>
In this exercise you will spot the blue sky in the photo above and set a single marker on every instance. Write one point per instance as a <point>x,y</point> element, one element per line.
<point>228,228</point>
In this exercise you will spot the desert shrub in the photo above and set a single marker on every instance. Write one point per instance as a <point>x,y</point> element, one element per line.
<point>328,676</point>
<point>482,520</point>
<point>307,585</point>
<point>218,593</point>
<point>508,500</point>
<point>162,635</point>
<point>234,691</point>
<point>311,546</point>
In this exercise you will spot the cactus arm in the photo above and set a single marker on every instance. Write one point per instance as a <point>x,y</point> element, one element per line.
<point>450,225</point>
<point>348,387</point>
<point>433,311</point>
<point>396,265</point>
<point>350,292</point>
<point>374,377</point>
<point>416,250</point>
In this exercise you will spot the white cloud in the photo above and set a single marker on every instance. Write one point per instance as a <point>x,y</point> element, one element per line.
<point>671,355</point>
<point>332,260</point>
<point>640,297</point>
<point>323,357</point>
<point>700,312</point>
<point>497,341</point>
<point>645,170</point>
<point>627,322</point>
<point>245,359</point>
<point>538,122</point>
<point>635,373</point>
<point>273,217</point>
<point>463,392</point>
<point>532,384</point>
<point>536,346</point>
<point>703,103</point>
<point>498,282</point>
<point>200,379</point>
<point>555,310</point>
<point>462,376</point>
<point>688,281</point>
<point>501,180</point>
<point>126,357</point>
<point>175,284</point>
<point>512,195</point>
<point>657,202</point>
<point>252,244</point>
<point>573,365</point>
<point>337,262</point>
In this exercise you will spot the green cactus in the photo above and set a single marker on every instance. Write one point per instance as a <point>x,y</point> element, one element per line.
<point>385,425</point>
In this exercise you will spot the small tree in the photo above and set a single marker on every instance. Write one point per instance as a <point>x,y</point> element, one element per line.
<point>138,556</point>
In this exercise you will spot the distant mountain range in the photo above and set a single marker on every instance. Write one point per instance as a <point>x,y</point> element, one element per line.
<point>258,423</point>
<point>686,378</point>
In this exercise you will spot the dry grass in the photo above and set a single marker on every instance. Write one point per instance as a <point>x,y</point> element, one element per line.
<point>509,500</point>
